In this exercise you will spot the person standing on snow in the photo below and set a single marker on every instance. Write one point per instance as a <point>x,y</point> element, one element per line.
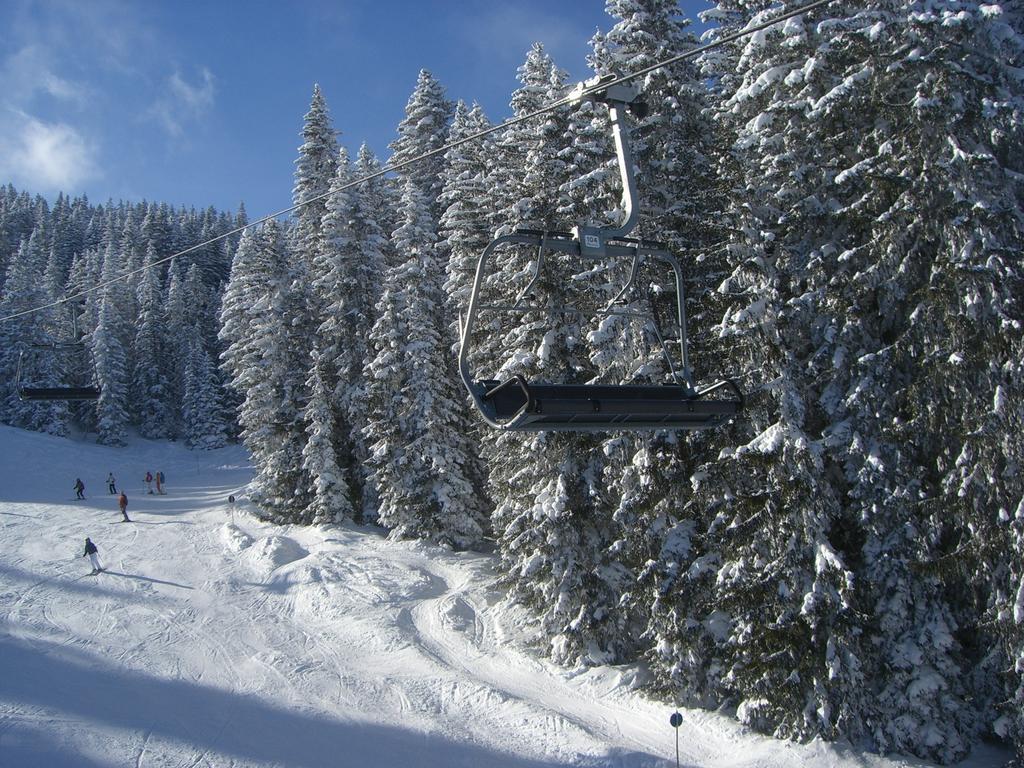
<point>91,551</point>
<point>159,482</point>
<point>111,483</point>
<point>149,482</point>
<point>122,502</point>
<point>79,488</point>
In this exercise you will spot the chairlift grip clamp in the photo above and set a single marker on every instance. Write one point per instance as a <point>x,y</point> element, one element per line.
<point>622,93</point>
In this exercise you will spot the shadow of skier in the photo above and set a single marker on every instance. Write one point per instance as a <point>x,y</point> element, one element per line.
<point>147,578</point>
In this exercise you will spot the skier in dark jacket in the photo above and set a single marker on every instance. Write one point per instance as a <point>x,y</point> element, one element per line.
<point>122,502</point>
<point>79,488</point>
<point>91,552</point>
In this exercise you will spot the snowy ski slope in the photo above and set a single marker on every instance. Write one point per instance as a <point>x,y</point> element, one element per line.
<point>209,642</point>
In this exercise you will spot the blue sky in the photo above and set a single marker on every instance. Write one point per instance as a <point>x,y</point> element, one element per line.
<point>201,103</point>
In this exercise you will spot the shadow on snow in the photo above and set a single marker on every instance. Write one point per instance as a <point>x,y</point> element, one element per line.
<point>65,682</point>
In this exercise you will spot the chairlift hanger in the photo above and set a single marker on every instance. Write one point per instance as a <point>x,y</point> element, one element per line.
<point>517,404</point>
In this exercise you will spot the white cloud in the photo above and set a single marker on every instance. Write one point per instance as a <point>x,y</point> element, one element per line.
<point>183,102</point>
<point>30,72</point>
<point>198,98</point>
<point>74,77</point>
<point>44,157</point>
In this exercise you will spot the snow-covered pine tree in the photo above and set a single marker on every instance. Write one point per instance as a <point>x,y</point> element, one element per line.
<point>333,277</point>
<point>174,355</point>
<point>93,236</point>
<point>65,242</point>
<point>423,129</point>
<point>133,256</point>
<point>202,303</point>
<point>333,281</point>
<point>840,231</point>
<point>344,285</point>
<point>150,391</point>
<point>420,453</point>
<point>261,361</point>
<point>467,218</point>
<point>437,484</point>
<point>300,304</point>
<point>55,275</point>
<point>372,216</point>
<point>315,168</point>
<point>111,374</point>
<point>212,258</point>
<point>925,333</point>
<point>110,343</point>
<point>294,306</point>
<point>10,231</point>
<point>251,269</point>
<point>331,502</point>
<point>465,229</point>
<point>385,376</point>
<point>196,299</point>
<point>755,566</point>
<point>157,232</point>
<point>202,425</point>
<point>23,291</point>
<point>229,399</point>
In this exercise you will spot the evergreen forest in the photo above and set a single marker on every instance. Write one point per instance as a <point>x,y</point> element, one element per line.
<point>844,191</point>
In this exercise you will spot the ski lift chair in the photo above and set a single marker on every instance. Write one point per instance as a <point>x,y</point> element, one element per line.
<point>52,393</point>
<point>63,393</point>
<point>518,404</point>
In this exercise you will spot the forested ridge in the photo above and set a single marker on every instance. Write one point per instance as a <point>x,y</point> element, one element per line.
<point>844,191</point>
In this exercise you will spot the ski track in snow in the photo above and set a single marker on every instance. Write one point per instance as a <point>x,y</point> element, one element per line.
<point>213,639</point>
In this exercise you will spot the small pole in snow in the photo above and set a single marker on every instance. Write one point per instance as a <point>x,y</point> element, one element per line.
<point>675,721</point>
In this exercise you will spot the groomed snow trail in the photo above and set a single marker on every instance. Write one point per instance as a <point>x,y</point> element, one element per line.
<point>213,639</point>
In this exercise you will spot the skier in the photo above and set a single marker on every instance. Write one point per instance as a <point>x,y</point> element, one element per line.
<point>122,502</point>
<point>91,551</point>
<point>111,483</point>
<point>159,482</point>
<point>79,488</point>
<point>149,482</point>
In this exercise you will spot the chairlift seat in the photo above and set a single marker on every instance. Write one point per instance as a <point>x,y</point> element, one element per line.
<point>59,393</point>
<point>518,405</point>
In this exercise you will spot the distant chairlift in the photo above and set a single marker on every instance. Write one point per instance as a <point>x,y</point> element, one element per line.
<point>521,405</point>
<point>65,393</point>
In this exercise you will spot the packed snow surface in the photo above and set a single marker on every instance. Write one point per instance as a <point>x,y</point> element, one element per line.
<point>212,639</point>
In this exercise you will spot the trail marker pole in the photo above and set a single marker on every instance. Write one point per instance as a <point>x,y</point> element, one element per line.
<point>675,721</point>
